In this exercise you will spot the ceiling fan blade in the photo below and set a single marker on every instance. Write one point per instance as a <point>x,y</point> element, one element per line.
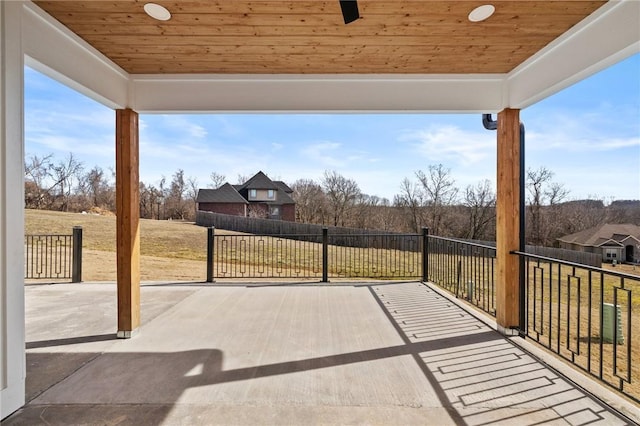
<point>349,10</point>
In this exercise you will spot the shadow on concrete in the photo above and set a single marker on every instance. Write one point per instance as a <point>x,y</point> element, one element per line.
<point>489,380</point>
<point>478,376</point>
<point>71,341</point>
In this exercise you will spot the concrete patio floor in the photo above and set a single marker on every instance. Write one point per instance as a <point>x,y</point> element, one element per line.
<point>343,353</point>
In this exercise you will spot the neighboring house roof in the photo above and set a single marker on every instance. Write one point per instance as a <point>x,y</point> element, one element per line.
<point>225,194</point>
<point>228,193</point>
<point>283,186</point>
<point>259,181</point>
<point>284,198</point>
<point>607,234</point>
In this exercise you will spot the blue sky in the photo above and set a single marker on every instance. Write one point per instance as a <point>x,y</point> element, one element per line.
<point>588,135</point>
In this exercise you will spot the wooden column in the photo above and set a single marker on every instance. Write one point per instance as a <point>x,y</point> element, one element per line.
<point>127,222</point>
<point>508,219</point>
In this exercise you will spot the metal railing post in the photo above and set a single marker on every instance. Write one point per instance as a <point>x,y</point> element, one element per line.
<point>425,254</point>
<point>210,236</point>
<point>76,258</point>
<point>325,255</point>
<point>522,287</point>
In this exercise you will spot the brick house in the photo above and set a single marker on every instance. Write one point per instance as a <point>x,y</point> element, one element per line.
<point>258,197</point>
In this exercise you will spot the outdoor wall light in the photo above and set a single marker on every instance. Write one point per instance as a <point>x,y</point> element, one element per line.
<point>481,13</point>
<point>157,12</point>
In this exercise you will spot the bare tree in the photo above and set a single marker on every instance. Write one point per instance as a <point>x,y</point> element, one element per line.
<point>311,202</point>
<point>175,201</point>
<point>192,193</point>
<point>241,179</point>
<point>64,173</point>
<point>578,215</point>
<point>371,212</point>
<point>480,202</point>
<point>544,196</point>
<point>411,202</point>
<point>37,172</point>
<point>217,180</point>
<point>439,191</point>
<point>258,211</point>
<point>341,193</point>
<point>102,189</point>
<point>147,201</point>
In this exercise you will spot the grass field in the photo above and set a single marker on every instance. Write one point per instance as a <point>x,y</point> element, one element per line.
<point>170,250</point>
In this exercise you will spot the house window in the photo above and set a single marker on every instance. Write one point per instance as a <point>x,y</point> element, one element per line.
<point>274,211</point>
<point>253,194</point>
<point>270,194</point>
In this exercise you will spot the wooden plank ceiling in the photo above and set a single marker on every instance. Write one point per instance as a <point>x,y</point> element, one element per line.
<point>309,36</point>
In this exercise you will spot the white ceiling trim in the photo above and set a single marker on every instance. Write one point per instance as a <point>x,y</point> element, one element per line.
<point>318,93</point>
<point>607,36</point>
<point>52,49</point>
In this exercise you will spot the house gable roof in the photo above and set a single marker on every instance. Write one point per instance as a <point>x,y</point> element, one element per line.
<point>229,193</point>
<point>225,194</point>
<point>600,234</point>
<point>283,186</point>
<point>259,181</point>
<point>284,198</point>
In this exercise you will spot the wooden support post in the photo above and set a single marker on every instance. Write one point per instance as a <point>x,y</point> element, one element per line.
<point>127,222</point>
<point>508,220</point>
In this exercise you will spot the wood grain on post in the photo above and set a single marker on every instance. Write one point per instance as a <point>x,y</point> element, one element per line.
<point>508,216</point>
<point>127,222</point>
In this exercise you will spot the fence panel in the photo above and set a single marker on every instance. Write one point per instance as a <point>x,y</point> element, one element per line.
<point>293,230</point>
<point>465,269</point>
<point>303,256</point>
<point>48,256</point>
<point>378,256</point>
<point>587,316</point>
<point>54,256</point>
<point>263,256</point>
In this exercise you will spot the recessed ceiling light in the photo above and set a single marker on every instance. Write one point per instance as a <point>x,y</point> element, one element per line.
<point>481,13</point>
<point>157,12</point>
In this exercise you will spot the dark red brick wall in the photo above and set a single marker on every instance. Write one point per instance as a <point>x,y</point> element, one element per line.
<point>236,209</point>
<point>288,212</point>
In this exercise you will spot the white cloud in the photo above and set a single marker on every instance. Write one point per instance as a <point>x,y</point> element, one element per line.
<point>451,144</point>
<point>599,130</point>
<point>66,144</point>
<point>566,140</point>
<point>325,153</point>
<point>185,126</point>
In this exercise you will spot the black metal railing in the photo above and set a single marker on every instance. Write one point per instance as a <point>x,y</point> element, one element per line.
<point>379,256</point>
<point>587,316</point>
<point>54,256</point>
<point>309,256</point>
<point>465,269</point>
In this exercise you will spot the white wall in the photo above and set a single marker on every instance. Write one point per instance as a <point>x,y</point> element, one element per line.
<point>12,340</point>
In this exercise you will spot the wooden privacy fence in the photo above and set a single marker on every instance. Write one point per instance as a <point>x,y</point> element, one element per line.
<point>343,236</point>
<point>54,256</point>
<point>573,256</point>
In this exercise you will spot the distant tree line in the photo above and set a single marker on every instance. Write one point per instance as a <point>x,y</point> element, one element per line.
<point>430,198</point>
